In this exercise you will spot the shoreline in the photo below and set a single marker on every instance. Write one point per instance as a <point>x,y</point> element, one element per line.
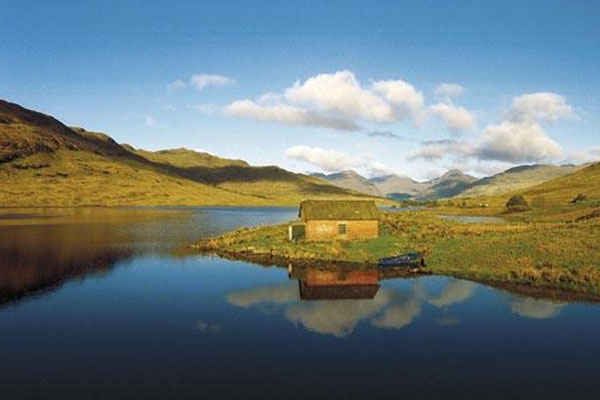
<point>557,255</point>
<point>518,287</point>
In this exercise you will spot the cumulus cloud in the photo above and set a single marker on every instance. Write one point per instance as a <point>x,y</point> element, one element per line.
<point>518,137</point>
<point>335,161</point>
<point>447,91</point>
<point>541,107</point>
<point>407,100</point>
<point>537,309</point>
<point>287,114</point>
<point>201,81</point>
<point>342,93</point>
<point>517,142</point>
<point>334,100</point>
<point>456,118</point>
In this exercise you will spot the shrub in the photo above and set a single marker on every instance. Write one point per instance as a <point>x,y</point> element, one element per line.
<point>579,198</point>
<point>517,204</point>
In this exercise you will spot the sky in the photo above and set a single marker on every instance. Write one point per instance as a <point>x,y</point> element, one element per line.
<point>405,87</point>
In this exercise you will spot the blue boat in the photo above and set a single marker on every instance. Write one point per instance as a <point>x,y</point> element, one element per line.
<point>412,259</point>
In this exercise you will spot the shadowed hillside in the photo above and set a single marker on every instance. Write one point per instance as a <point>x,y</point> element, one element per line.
<point>43,162</point>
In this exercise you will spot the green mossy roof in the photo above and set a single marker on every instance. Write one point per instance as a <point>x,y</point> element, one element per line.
<point>338,210</point>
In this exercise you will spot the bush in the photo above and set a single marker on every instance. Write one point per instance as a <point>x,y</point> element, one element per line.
<point>517,204</point>
<point>579,198</point>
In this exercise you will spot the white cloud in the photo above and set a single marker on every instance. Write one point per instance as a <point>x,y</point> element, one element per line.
<point>336,101</point>
<point>455,117</point>
<point>595,152</point>
<point>541,107</point>
<point>335,161</point>
<point>287,114</point>
<point>517,142</point>
<point>447,91</point>
<point>407,100</point>
<point>340,92</point>
<point>201,81</point>
<point>518,137</point>
<point>176,84</point>
<point>327,160</point>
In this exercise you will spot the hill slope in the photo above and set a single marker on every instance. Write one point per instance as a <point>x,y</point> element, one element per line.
<point>516,178</point>
<point>45,163</point>
<point>584,181</point>
<point>353,181</point>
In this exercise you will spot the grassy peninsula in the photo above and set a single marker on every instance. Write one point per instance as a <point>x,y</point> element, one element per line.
<point>555,243</point>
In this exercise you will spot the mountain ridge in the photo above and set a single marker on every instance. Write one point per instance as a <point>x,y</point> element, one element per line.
<point>43,162</point>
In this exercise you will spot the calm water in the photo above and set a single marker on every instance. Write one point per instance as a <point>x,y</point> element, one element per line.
<point>100,304</point>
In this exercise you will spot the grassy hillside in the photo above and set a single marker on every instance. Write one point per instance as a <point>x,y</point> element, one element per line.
<point>45,163</point>
<point>184,158</point>
<point>516,178</point>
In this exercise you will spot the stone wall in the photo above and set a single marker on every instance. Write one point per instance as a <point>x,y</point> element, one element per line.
<point>328,230</point>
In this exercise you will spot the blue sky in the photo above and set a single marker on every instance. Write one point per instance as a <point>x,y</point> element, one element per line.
<point>522,81</point>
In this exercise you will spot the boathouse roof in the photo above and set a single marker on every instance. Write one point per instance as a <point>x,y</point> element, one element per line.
<point>338,210</point>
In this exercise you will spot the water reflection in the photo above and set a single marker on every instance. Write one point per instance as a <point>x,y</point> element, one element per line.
<point>334,300</point>
<point>536,308</point>
<point>41,249</point>
<point>454,292</point>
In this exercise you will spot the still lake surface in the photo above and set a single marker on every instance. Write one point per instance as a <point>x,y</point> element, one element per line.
<point>104,304</point>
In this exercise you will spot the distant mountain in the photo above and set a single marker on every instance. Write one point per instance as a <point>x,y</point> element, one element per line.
<point>402,187</point>
<point>517,178</point>
<point>448,185</point>
<point>353,181</point>
<point>398,186</point>
<point>45,163</point>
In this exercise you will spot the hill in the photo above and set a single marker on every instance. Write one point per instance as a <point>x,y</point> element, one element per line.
<point>450,184</point>
<point>561,190</point>
<point>396,186</point>
<point>516,178</point>
<point>353,181</point>
<point>45,163</point>
<point>403,187</point>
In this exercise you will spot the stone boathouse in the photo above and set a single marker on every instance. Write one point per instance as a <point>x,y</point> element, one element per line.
<point>336,219</point>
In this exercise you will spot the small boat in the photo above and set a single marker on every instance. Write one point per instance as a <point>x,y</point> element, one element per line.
<point>412,259</point>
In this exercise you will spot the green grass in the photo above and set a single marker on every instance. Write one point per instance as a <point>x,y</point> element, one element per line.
<point>548,253</point>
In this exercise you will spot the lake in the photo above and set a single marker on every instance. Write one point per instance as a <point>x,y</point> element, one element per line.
<point>106,304</point>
